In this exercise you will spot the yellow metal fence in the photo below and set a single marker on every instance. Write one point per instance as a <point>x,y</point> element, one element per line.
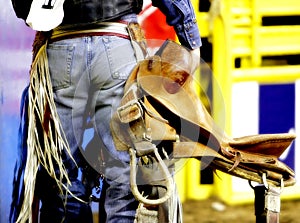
<point>252,34</point>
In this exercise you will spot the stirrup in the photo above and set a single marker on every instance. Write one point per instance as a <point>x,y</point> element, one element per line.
<point>166,174</point>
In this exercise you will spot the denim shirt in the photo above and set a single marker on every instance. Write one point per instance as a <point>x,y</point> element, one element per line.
<point>180,14</point>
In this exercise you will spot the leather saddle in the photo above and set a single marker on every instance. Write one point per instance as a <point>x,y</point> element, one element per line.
<point>160,105</point>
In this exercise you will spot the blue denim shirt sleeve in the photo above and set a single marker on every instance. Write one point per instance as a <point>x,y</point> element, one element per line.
<point>180,14</point>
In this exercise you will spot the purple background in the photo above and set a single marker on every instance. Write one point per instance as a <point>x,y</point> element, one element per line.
<point>15,59</point>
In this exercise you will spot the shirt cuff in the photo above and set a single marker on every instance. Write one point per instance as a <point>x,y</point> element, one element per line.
<point>189,35</point>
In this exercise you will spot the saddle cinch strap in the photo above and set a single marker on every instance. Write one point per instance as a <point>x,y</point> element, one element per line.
<point>172,111</point>
<point>130,119</point>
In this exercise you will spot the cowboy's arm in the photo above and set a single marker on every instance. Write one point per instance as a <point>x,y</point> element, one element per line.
<point>180,14</point>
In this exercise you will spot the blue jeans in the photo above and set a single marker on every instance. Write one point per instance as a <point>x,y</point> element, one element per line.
<point>88,75</point>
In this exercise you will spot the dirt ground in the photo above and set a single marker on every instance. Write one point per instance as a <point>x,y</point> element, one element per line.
<point>213,211</point>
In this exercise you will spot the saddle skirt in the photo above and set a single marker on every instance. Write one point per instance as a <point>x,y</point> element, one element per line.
<point>160,92</point>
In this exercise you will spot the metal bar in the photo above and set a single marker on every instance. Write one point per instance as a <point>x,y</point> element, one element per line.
<point>259,203</point>
<point>275,74</point>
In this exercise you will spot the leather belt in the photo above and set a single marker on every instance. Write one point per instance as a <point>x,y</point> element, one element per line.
<point>102,28</point>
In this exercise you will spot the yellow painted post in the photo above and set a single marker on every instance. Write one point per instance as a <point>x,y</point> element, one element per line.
<point>221,66</point>
<point>180,179</point>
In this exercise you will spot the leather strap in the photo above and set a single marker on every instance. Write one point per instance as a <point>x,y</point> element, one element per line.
<point>138,40</point>
<point>102,28</point>
<point>272,205</point>
<point>267,203</point>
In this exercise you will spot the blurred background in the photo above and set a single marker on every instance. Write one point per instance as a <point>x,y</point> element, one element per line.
<point>248,80</point>
<point>15,59</point>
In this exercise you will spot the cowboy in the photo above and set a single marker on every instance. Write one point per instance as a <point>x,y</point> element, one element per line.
<point>82,56</point>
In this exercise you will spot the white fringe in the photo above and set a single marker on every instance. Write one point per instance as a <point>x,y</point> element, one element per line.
<point>54,141</point>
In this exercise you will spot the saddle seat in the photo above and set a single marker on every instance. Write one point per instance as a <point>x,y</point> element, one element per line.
<point>160,92</point>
